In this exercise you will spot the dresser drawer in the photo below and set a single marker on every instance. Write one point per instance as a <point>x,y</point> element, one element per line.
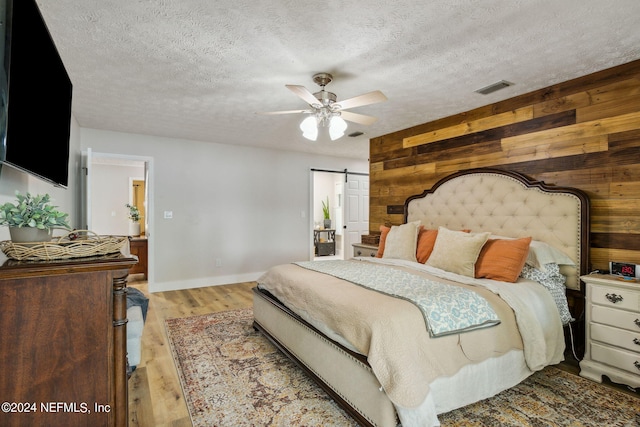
<point>613,317</point>
<point>616,336</point>
<point>617,358</point>
<point>616,297</point>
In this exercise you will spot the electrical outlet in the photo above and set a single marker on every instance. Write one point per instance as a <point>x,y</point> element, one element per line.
<point>168,214</point>
<point>218,262</point>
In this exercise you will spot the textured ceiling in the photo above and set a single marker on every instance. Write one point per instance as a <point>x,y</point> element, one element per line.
<point>201,69</point>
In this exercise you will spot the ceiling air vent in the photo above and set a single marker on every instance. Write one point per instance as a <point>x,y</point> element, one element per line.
<point>494,87</point>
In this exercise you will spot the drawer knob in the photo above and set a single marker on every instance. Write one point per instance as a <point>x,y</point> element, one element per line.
<point>637,322</point>
<point>359,253</point>
<point>637,365</point>
<point>636,341</point>
<point>614,298</point>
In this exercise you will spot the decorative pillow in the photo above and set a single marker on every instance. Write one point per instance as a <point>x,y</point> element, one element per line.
<point>401,241</point>
<point>457,251</point>
<point>426,240</point>
<point>541,254</point>
<point>502,259</point>
<point>384,230</point>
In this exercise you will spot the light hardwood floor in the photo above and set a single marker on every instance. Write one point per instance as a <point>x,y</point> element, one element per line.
<point>155,394</point>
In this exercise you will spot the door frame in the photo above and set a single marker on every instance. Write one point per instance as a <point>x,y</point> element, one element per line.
<point>312,172</point>
<point>88,156</point>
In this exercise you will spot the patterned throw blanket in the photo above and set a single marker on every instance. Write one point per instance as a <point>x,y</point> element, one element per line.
<point>446,309</point>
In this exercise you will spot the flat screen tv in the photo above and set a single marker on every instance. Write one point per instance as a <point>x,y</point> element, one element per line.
<point>35,115</point>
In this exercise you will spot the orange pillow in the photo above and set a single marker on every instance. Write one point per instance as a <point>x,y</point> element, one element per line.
<point>383,238</point>
<point>502,259</point>
<point>426,241</point>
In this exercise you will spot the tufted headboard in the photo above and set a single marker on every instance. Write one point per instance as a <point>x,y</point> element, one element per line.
<point>512,205</point>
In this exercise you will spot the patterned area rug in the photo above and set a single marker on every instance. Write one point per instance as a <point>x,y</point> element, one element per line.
<point>232,376</point>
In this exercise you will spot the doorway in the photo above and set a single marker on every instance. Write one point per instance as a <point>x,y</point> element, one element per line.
<point>346,195</point>
<point>138,198</point>
<point>111,181</point>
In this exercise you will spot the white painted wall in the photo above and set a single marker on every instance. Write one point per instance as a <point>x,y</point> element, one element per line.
<point>247,207</point>
<point>323,187</point>
<point>110,186</point>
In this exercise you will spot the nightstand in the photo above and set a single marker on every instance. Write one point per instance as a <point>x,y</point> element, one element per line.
<point>361,249</point>
<point>612,330</point>
<point>325,246</point>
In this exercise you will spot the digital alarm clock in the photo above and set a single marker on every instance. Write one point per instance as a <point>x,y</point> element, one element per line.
<point>625,269</point>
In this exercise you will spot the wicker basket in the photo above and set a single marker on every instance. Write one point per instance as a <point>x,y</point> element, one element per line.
<point>77,244</point>
<point>370,239</point>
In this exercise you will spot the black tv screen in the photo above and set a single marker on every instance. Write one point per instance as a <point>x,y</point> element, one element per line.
<point>37,101</point>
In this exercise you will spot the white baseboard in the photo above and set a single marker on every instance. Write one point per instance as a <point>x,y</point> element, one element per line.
<point>203,282</point>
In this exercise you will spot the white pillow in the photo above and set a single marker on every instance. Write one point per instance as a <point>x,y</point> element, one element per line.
<point>541,253</point>
<point>457,251</point>
<point>401,241</point>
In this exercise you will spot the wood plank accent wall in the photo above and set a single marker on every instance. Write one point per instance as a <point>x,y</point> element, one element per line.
<point>582,133</point>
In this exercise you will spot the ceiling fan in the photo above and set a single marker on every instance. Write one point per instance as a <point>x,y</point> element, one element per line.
<point>326,111</point>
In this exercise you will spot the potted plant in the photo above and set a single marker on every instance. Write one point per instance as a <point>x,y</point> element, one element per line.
<point>326,214</point>
<point>134,216</point>
<point>32,218</point>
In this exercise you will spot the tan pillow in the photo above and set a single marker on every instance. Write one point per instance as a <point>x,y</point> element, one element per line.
<point>426,240</point>
<point>401,241</point>
<point>502,259</point>
<point>457,251</point>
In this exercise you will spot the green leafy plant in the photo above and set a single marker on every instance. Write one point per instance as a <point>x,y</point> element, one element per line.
<point>134,213</point>
<point>33,211</point>
<point>325,209</point>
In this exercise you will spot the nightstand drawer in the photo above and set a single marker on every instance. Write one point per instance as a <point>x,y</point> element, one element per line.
<point>613,317</point>
<point>617,358</point>
<point>616,337</point>
<point>361,249</point>
<point>616,297</point>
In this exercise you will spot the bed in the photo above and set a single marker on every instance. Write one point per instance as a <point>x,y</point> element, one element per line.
<point>364,330</point>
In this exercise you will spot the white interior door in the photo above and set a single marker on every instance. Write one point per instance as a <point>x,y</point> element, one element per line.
<point>356,211</point>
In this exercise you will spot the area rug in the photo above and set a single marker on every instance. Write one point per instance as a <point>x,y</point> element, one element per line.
<point>232,376</point>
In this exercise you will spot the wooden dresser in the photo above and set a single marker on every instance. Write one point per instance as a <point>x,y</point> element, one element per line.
<point>138,247</point>
<point>63,342</point>
<point>612,334</point>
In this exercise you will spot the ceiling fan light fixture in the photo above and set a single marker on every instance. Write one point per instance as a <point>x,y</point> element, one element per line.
<point>326,112</point>
<point>309,128</point>
<point>337,127</point>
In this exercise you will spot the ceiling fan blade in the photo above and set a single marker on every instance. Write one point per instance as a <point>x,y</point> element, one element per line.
<point>269,113</point>
<point>358,101</point>
<point>304,94</point>
<point>357,118</point>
